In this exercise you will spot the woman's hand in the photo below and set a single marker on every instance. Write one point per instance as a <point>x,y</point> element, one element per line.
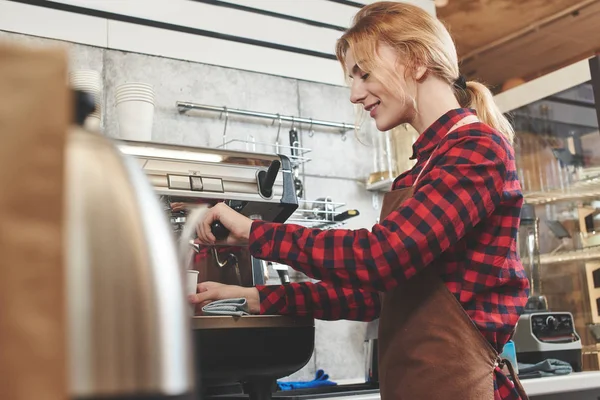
<point>237,224</point>
<point>211,291</point>
<point>179,206</point>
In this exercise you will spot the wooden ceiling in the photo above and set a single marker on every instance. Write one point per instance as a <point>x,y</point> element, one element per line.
<point>502,39</point>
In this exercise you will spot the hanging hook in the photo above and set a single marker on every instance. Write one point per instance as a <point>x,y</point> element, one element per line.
<point>278,132</point>
<point>225,127</point>
<point>344,130</point>
<point>311,131</point>
<point>293,123</point>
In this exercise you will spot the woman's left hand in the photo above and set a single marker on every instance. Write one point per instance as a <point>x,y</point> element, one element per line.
<point>212,291</point>
<point>237,224</point>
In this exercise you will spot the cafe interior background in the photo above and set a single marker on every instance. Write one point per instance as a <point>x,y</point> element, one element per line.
<point>260,77</point>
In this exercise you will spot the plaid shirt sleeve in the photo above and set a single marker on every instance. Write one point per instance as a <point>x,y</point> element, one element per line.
<point>319,300</point>
<point>461,186</point>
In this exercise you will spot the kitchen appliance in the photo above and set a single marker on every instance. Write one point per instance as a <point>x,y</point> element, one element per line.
<point>540,333</point>
<point>544,335</point>
<point>128,326</point>
<point>371,353</point>
<point>233,354</point>
<point>528,240</point>
<point>259,186</point>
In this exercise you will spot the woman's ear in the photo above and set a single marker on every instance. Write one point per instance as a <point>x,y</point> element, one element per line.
<point>420,73</point>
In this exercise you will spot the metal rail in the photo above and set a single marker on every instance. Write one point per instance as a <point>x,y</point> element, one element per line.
<point>184,107</point>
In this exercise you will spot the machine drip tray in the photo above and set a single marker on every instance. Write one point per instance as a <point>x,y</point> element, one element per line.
<point>307,394</point>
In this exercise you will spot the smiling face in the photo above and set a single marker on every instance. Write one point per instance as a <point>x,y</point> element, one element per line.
<point>388,106</point>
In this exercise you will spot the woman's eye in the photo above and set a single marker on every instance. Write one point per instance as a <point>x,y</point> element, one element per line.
<point>364,77</point>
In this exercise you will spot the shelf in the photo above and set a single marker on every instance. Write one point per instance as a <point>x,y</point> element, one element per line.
<point>588,187</point>
<point>296,154</point>
<point>318,213</point>
<point>587,254</point>
<point>380,186</point>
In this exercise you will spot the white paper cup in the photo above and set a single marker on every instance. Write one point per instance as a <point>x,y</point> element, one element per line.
<point>90,82</point>
<point>134,94</point>
<point>134,86</point>
<point>139,89</point>
<point>130,95</point>
<point>86,78</point>
<point>135,120</point>
<point>192,287</point>
<point>192,281</point>
<point>84,72</point>
<point>119,100</point>
<point>93,77</point>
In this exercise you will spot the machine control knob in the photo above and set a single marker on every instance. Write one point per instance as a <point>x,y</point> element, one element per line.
<point>552,322</point>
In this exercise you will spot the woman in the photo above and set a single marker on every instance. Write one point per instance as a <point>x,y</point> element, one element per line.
<point>444,254</point>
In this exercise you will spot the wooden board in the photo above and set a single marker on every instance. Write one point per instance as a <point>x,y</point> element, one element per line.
<point>477,23</point>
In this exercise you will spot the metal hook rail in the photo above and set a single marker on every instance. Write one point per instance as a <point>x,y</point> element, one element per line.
<point>184,107</point>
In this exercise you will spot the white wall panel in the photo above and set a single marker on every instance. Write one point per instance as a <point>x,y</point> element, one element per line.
<point>45,22</point>
<point>428,5</point>
<point>148,40</point>
<point>222,20</point>
<point>323,11</point>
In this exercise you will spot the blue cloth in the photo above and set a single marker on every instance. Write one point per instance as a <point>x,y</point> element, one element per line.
<point>233,307</point>
<point>321,379</point>
<point>550,367</point>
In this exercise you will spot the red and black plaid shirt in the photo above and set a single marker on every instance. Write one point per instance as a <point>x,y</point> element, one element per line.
<point>464,215</point>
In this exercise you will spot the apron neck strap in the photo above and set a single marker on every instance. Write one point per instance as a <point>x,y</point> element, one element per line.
<point>469,119</point>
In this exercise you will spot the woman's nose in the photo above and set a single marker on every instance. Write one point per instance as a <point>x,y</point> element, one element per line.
<point>357,94</point>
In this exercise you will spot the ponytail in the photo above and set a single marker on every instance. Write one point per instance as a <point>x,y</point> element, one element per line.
<point>480,98</point>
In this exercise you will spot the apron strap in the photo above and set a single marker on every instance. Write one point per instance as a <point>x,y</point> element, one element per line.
<point>501,363</point>
<point>454,127</point>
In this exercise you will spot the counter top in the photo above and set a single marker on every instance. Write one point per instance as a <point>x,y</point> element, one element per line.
<point>575,382</point>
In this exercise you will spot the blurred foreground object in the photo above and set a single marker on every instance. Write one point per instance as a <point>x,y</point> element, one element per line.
<point>35,114</point>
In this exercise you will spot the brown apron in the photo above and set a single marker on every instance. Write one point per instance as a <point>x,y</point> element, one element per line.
<point>429,348</point>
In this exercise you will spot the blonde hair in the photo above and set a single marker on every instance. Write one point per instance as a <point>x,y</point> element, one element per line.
<point>420,40</point>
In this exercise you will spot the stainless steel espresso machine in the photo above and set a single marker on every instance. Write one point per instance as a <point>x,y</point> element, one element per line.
<point>235,356</point>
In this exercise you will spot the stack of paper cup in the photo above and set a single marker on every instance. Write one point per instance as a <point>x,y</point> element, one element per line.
<point>135,111</point>
<point>89,81</point>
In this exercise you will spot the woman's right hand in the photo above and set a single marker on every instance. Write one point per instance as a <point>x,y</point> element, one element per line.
<point>211,291</point>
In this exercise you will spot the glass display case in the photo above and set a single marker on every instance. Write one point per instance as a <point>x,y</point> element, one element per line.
<point>557,149</point>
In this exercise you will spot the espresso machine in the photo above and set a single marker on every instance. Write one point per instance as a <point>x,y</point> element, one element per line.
<point>238,357</point>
